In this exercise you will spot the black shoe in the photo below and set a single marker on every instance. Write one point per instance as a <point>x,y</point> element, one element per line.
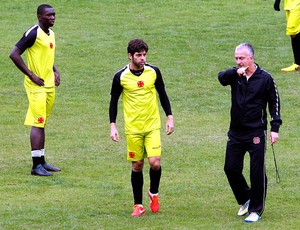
<point>40,171</point>
<point>51,168</point>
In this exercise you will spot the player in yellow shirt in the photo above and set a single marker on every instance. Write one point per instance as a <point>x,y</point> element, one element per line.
<point>139,84</point>
<point>41,78</point>
<point>292,9</point>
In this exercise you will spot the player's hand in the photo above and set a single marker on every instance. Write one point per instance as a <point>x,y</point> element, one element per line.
<point>170,125</point>
<point>273,137</point>
<point>242,71</point>
<point>114,134</point>
<point>277,5</point>
<point>37,80</point>
<point>57,78</point>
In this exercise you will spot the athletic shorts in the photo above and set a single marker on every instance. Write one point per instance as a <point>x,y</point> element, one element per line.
<point>40,107</point>
<point>144,145</point>
<point>293,21</point>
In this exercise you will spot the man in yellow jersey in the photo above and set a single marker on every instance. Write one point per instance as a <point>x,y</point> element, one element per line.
<point>41,78</point>
<point>292,9</point>
<point>139,84</point>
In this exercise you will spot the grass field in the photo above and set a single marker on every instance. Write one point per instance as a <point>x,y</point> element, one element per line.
<point>191,41</point>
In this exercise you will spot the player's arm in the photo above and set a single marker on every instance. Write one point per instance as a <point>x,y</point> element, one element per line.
<point>164,101</point>
<point>274,110</point>
<point>228,76</point>
<point>25,42</point>
<point>116,91</point>
<point>15,56</point>
<point>56,75</point>
<point>170,125</point>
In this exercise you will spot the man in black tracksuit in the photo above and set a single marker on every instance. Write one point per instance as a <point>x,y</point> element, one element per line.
<point>252,88</point>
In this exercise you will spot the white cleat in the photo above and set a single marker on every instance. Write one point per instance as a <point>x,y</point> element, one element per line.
<point>253,217</point>
<point>244,209</point>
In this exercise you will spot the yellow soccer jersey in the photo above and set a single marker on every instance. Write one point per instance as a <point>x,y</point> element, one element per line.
<point>40,49</point>
<point>139,96</point>
<point>291,4</point>
<point>140,103</point>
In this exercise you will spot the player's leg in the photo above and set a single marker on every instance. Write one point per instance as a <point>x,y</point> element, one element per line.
<point>258,174</point>
<point>135,154</point>
<point>36,119</point>
<point>37,136</point>
<point>234,161</point>
<point>153,149</point>
<point>50,98</point>
<point>137,181</point>
<point>296,49</point>
<point>295,42</point>
<point>154,174</point>
<point>293,29</point>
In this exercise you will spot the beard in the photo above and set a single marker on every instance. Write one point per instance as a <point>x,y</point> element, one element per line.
<point>138,65</point>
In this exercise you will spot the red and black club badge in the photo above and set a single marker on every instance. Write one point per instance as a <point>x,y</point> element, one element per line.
<point>256,140</point>
<point>140,84</point>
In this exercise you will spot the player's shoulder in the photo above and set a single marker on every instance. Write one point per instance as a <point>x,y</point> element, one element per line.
<point>266,77</point>
<point>120,71</point>
<point>154,68</point>
<point>265,73</point>
<point>28,38</point>
<point>31,31</point>
<point>147,65</point>
<point>51,31</point>
<point>262,72</point>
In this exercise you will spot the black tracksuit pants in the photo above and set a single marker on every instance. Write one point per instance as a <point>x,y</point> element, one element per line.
<point>237,146</point>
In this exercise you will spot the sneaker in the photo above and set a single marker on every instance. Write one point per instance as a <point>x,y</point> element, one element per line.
<point>253,217</point>
<point>291,68</point>
<point>244,209</point>
<point>40,171</point>
<point>50,168</point>
<point>138,210</point>
<point>154,203</point>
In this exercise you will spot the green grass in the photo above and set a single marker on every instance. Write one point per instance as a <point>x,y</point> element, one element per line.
<point>191,41</point>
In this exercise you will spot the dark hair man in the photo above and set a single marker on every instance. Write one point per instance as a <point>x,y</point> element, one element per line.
<point>41,78</point>
<point>138,83</point>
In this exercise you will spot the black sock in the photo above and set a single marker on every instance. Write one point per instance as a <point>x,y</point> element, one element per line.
<point>296,48</point>
<point>137,182</point>
<point>154,180</point>
<point>35,162</point>
<point>43,160</point>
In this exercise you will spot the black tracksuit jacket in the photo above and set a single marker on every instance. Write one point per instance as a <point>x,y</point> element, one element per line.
<point>249,101</point>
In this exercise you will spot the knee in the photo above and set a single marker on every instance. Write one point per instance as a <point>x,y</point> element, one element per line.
<point>229,170</point>
<point>155,167</point>
<point>154,163</point>
<point>233,171</point>
<point>137,166</point>
<point>226,169</point>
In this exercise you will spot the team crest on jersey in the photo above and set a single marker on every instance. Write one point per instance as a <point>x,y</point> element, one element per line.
<point>131,154</point>
<point>51,45</point>
<point>41,120</point>
<point>140,84</point>
<point>256,140</point>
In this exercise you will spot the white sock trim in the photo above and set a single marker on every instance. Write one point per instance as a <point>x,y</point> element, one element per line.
<point>36,153</point>
<point>152,194</point>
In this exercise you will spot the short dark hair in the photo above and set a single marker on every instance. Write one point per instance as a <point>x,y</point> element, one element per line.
<point>42,7</point>
<point>136,45</point>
